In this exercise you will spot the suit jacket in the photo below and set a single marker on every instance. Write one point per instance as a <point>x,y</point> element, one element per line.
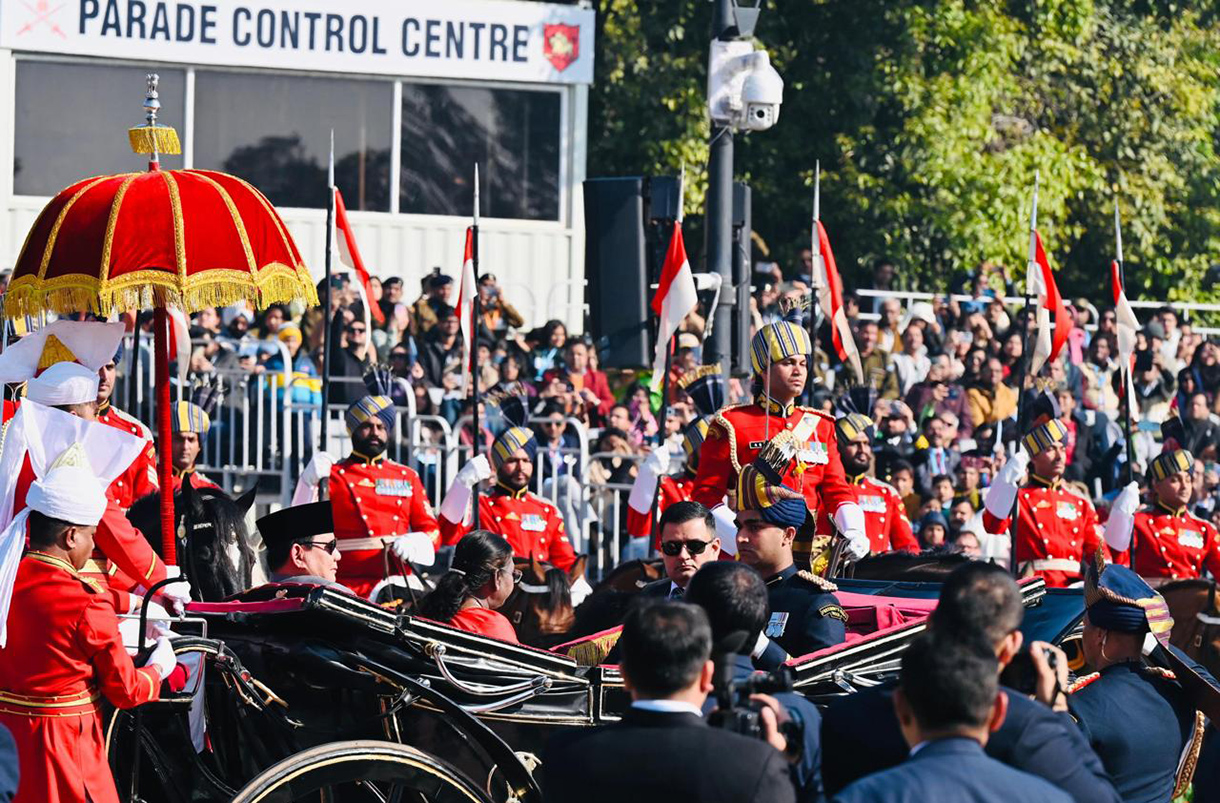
<point>651,756</point>
<point>861,736</point>
<point>657,588</point>
<point>950,770</point>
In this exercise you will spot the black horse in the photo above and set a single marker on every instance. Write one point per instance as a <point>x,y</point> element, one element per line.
<point>213,543</point>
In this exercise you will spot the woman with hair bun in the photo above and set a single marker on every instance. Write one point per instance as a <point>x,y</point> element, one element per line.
<point>479,581</point>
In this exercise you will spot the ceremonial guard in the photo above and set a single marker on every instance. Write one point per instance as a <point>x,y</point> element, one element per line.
<point>382,518</point>
<point>805,614</point>
<point>62,650</point>
<point>705,387</point>
<point>779,355</point>
<point>531,525</point>
<point>885,516</point>
<point>124,560</point>
<point>1137,717</point>
<point>1057,528</point>
<point>1170,542</point>
<point>190,423</point>
<point>140,479</point>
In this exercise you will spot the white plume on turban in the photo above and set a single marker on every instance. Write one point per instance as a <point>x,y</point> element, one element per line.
<point>90,343</point>
<point>63,383</point>
<point>68,493</point>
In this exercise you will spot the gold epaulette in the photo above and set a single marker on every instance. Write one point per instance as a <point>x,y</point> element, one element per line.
<point>815,580</point>
<point>688,378</point>
<point>729,432</point>
<point>816,411</point>
<point>92,585</point>
<point>1160,672</point>
<point>1186,769</point>
<point>1083,681</point>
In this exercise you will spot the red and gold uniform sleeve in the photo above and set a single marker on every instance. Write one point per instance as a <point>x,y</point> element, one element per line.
<point>97,635</point>
<point>144,473</point>
<point>833,487</point>
<point>559,552</point>
<point>423,520</point>
<point>124,546</point>
<point>901,536</point>
<point>715,468</point>
<point>1092,533</point>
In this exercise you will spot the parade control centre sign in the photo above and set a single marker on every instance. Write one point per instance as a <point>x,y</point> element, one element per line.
<point>495,40</point>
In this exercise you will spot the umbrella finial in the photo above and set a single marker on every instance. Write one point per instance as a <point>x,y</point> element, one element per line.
<point>151,138</point>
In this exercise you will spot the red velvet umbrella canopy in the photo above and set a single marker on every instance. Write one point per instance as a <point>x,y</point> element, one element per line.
<point>186,238</point>
<point>190,238</point>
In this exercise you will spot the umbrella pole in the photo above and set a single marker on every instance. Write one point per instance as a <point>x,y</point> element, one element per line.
<point>169,552</point>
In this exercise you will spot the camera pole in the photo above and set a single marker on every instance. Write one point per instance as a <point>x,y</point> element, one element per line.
<point>719,214</point>
<point>326,291</point>
<point>475,314</point>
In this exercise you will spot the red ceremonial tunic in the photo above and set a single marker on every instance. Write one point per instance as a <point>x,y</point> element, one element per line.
<point>672,490</point>
<point>122,558</point>
<point>736,435</point>
<point>530,524</point>
<point>63,654</point>
<point>372,498</point>
<point>484,622</point>
<point>140,478</point>
<point>885,516</point>
<point>1057,530</point>
<point>1173,544</point>
<point>197,480</point>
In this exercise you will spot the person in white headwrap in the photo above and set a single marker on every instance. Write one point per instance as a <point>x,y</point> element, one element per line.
<point>60,365</point>
<point>61,645</point>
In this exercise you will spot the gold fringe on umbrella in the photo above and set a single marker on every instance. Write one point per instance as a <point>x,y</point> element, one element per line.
<point>159,139</point>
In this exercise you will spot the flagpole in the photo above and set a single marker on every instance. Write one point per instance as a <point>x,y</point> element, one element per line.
<point>1125,368</point>
<point>476,314</point>
<point>815,274</point>
<point>1022,366</point>
<point>669,356</point>
<point>326,321</point>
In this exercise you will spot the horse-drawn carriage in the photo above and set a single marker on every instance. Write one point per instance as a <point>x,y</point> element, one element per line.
<point>309,693</point>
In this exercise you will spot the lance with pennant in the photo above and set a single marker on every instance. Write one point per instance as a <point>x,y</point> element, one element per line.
<point>1030,271</point>
<point>327,351</point>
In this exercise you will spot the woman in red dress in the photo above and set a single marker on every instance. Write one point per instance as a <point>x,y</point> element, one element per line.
<point>479,581</point>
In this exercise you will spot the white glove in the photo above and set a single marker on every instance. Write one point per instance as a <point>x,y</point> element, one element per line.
<point>658,460</point>
<point>1003,492</point>
<point>162,657</point>
<point>726,528</point>
<point>1122,518</point>
<point>475,471</point>
<point>849,518</point>
<point>580,590</point>
<point>175,596</point>
<point>307,486</point>
<point>414,548</point>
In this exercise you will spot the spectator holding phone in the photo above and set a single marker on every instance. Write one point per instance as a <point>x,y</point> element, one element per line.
<point>498,315</point>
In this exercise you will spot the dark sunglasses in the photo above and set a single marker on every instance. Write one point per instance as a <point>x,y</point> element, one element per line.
<point>356,330</point>
<point>331,547</point>
<point>674,548</point>
<point>552,423</point>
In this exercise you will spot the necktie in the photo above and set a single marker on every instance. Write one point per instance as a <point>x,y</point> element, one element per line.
<point>677,592</point>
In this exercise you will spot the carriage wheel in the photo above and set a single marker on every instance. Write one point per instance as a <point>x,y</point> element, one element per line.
<point>362,770</point>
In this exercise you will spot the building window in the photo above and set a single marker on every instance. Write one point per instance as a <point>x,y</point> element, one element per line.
<point>72,121</point>
<point>274,131</point>
<point>512,134</point>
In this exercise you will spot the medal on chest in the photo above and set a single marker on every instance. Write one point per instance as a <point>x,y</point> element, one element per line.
<point>1192,539</point>
<point>533,523</point>
<point>1066,511</point>
<point>394,488</point>
<point>777,624</point>
<point>872,504</point>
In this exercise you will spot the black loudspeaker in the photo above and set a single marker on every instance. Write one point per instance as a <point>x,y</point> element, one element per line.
<point>616,269</point>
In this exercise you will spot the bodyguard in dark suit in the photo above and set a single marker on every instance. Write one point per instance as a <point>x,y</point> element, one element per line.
<point>735,600</point>
<point>1137,719</point>
<point>663,750</point>
<point>688,541</point>
<point>805,614</point>
<point>979,602</point>
<point>948,702</point>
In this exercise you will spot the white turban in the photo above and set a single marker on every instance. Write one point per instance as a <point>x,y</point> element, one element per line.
<point>90,343</point>
<point>63,383</point>
<point>69,493</point>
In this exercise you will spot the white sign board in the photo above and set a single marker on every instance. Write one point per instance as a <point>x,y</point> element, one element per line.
<point>495,40</point>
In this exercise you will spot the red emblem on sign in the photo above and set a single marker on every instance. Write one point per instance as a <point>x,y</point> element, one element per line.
<point>561,44</point>
<point>41,13</point>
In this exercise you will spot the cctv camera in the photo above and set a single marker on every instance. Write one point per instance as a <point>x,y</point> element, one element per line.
<point>762,92</point>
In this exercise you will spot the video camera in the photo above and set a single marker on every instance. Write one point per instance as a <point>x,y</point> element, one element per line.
<point>735,711</point>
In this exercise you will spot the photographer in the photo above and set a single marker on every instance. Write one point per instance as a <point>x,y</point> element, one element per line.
<point>663,750</point>
<point>980,605</point>
<point>735,599</point>
<point>497,314</point>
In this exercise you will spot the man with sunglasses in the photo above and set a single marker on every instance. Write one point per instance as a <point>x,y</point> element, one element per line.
<point>301,545</point>
<point>688,541</point>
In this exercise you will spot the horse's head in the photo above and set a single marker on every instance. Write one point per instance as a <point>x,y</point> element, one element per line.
<point>631,576</point>
<point>212,539</point>
<point>540,606</point>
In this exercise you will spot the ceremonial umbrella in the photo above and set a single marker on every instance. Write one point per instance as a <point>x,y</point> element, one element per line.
<point>183,238</point>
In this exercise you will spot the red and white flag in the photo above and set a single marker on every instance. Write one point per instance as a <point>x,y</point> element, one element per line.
<point>467,292</point>
<point>675,299</point>
<point>349,255</point>
<point>830,298</point>
<point>1047,345</point>
<point>179,344</point>
<point>1128,325</point>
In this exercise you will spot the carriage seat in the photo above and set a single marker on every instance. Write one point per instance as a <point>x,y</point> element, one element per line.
<point>868,614</point>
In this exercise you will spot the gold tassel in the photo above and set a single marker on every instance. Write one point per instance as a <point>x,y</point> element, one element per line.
<point>53,351</point>
<point>154,139</point>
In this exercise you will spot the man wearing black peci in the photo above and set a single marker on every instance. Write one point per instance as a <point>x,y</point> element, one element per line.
<point>663,750</point>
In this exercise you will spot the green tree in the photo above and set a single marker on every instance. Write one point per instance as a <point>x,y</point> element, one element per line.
<point>930,119</point>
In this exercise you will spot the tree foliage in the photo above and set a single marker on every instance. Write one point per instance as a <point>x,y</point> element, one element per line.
<point>930,119</point>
